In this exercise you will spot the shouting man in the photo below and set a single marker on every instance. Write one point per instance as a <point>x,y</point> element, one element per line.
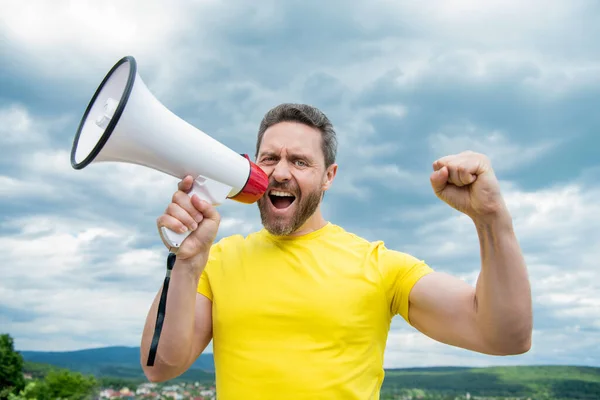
<point>301,309</point>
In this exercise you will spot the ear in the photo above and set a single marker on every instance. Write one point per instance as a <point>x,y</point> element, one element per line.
<point>329,176</point>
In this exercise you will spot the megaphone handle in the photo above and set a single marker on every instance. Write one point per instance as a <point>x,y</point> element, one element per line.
<point>213,192</point>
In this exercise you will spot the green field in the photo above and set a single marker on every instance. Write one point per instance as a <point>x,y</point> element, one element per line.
<point>535,382</point>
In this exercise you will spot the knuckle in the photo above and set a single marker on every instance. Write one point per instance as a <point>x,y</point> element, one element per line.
<point>183,199</point>
<point>171,208</point>
<point>164,221</point>
<point>179,196</point>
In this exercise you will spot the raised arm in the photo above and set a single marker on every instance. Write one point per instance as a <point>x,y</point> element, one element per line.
<point>495,317</point>
<point>187,325</point>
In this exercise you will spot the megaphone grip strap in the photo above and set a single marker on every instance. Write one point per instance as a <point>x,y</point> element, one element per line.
<point>162,305</point>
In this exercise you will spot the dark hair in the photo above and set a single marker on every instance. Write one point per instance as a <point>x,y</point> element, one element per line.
<point>307,115</point>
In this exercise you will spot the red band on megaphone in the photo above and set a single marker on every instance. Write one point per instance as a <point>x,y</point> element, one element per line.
<point>255,187</point>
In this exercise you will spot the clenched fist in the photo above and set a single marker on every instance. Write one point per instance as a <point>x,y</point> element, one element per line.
<point>467,182</point>
<point>186,213</point>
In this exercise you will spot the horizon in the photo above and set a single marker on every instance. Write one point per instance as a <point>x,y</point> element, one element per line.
<point>403,84</point>
<point>387,368</point>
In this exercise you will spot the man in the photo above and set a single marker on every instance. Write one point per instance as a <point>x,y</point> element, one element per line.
<point>302,308</point>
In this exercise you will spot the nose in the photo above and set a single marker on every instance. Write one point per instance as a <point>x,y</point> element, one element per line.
<point>281,172</point>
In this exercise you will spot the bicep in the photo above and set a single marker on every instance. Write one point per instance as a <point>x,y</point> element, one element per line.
<point>443,308</point>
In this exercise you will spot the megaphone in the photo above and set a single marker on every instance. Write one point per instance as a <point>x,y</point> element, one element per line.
<point>124,122</point>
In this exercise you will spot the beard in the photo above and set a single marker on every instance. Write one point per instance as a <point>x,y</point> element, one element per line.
<point>304,205</point>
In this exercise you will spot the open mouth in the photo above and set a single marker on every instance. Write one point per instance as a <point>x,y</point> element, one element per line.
<point>281,199</point>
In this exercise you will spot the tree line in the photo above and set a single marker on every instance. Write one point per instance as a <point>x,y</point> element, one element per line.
<point>46,383</point>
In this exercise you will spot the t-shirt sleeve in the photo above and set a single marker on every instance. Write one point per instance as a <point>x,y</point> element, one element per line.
<point>214,260</point>
<point>400,273</point>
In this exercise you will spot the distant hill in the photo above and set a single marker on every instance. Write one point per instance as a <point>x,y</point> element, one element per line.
<point>547,382</point>
<point>116,361</point>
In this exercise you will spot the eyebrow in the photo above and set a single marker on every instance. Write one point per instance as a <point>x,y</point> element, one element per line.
<point>291,154</point>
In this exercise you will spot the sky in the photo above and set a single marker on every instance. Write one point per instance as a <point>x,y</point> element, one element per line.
<point>403,82</point>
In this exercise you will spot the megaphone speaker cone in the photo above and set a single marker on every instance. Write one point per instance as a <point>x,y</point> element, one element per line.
<point>124,122</point>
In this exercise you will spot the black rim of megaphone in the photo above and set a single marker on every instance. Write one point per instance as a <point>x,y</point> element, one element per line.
<point>113,122</point>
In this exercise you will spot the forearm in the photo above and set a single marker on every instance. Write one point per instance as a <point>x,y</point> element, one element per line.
<point>176,338</point>
<point>503,293</point>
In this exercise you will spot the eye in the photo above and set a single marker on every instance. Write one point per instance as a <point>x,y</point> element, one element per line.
<point>300,163</point>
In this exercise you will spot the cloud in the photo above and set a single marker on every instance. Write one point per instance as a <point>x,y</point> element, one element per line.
<point>48,33</point>
<point>403,82</point>
<point>503,152</point>
<point>78,283</point>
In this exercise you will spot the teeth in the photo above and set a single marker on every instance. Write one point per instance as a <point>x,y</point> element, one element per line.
<point>281,194</point>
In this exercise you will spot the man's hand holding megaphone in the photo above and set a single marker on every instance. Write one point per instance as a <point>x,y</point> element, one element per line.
<point>186,213</point>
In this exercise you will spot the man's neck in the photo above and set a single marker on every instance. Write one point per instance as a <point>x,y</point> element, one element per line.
<point>314,223</point>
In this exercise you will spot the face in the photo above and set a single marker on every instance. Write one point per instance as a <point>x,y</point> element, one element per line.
<point>290,153</point>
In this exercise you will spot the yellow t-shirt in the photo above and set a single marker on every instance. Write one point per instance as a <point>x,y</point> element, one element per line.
<point>305,317</point>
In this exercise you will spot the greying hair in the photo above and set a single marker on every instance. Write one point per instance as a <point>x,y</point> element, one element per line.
<point>304,114</point>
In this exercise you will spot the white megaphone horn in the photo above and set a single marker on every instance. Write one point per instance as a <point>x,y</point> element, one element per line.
<point>124,122</point>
